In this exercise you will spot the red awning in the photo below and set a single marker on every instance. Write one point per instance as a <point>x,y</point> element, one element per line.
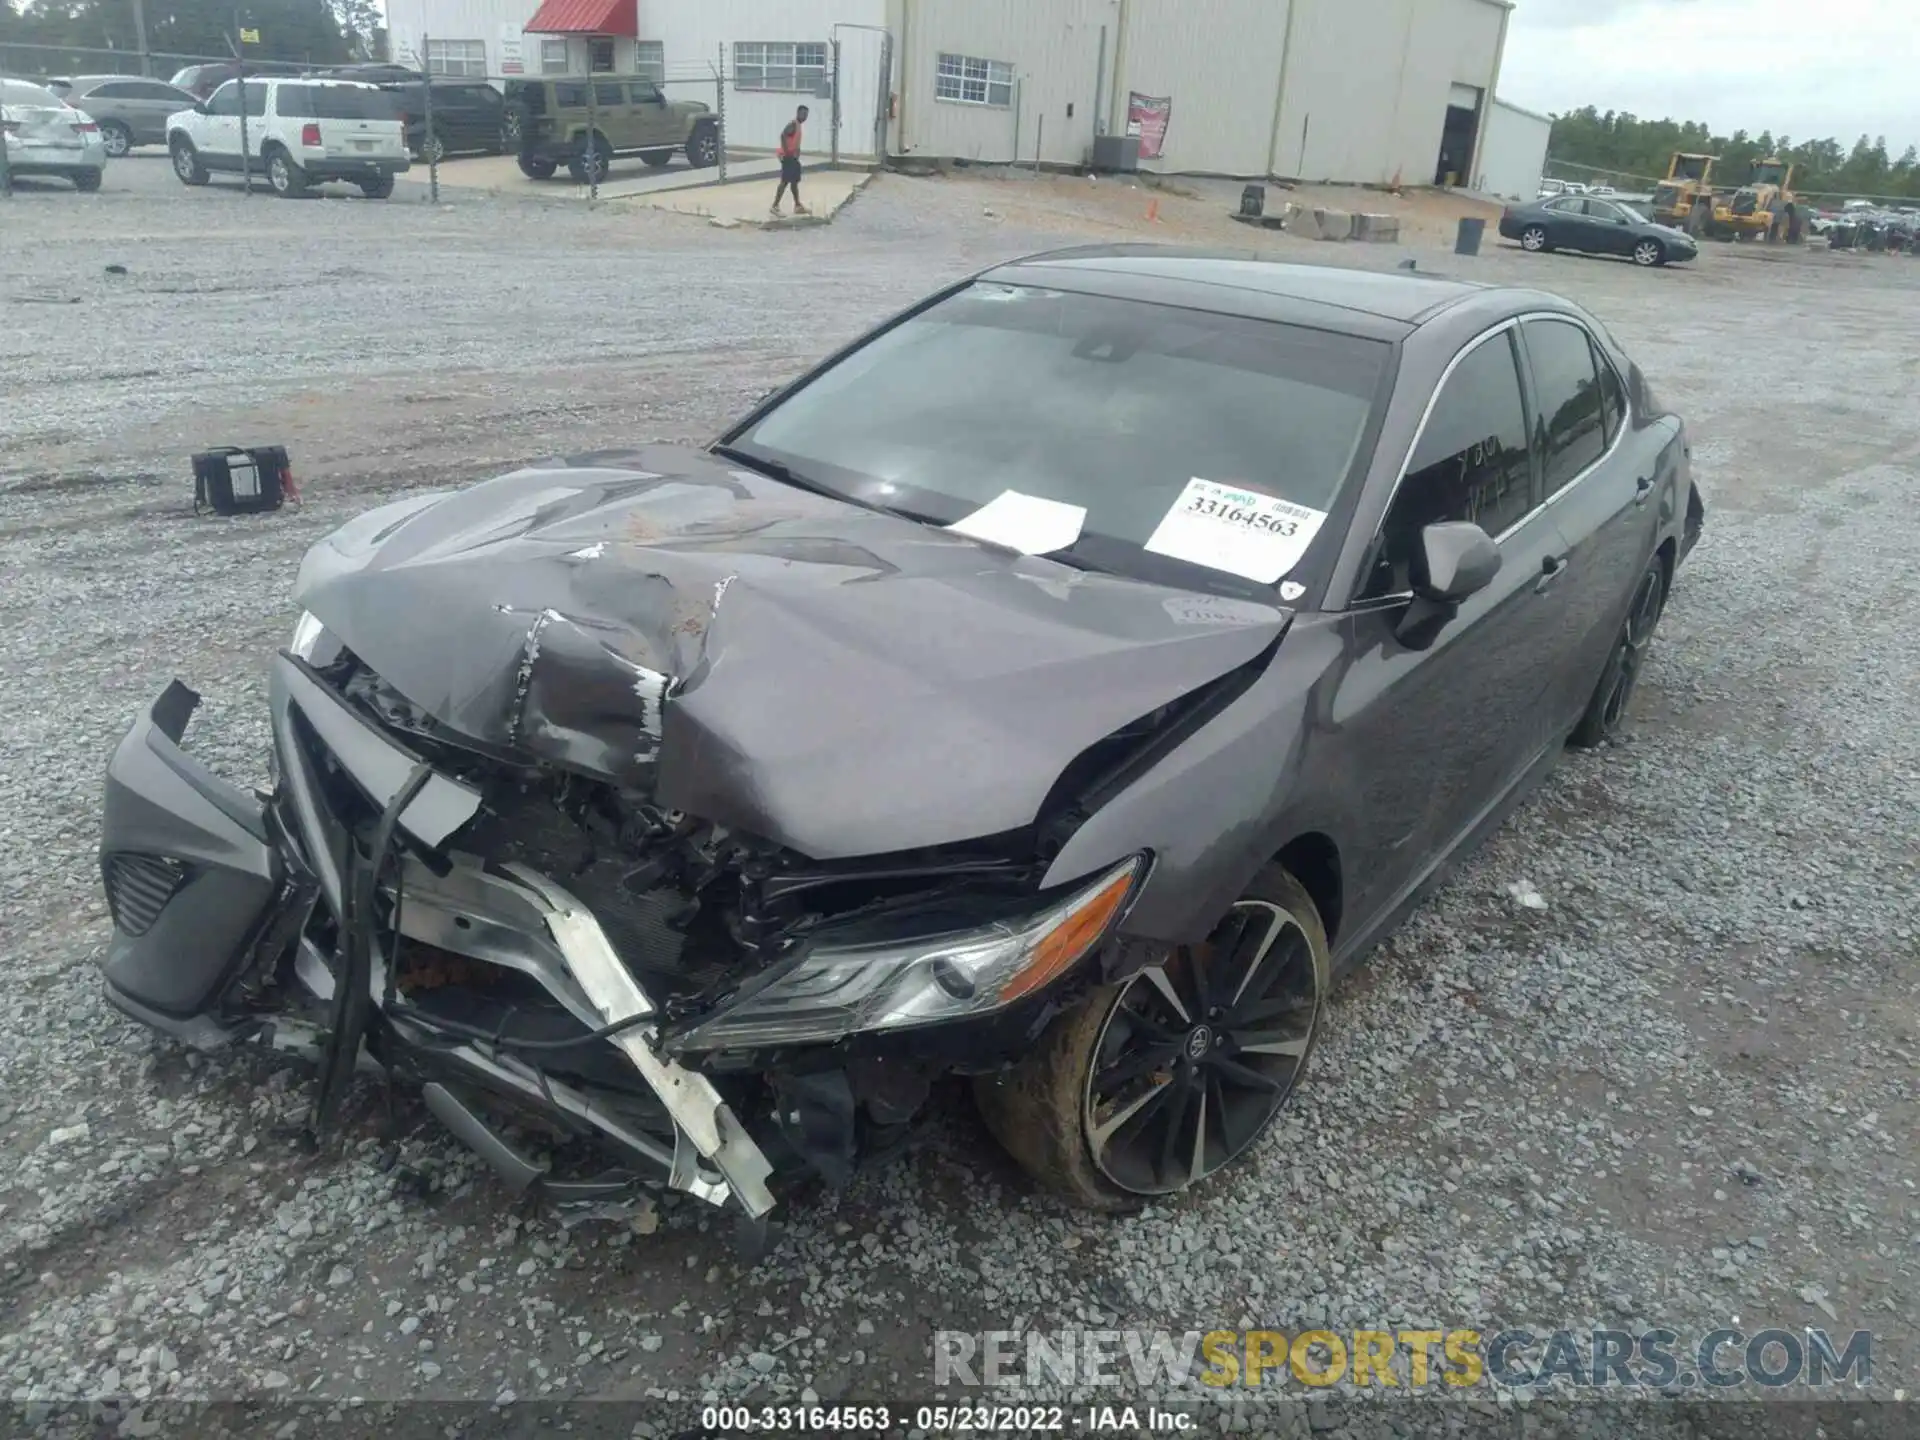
<point>586,17</point>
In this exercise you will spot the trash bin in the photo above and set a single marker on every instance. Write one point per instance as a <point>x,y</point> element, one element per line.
<point>1253,201</point>
<point>1467,242</point>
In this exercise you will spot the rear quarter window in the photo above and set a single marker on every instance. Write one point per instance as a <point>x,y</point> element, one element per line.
<point>337,102</point>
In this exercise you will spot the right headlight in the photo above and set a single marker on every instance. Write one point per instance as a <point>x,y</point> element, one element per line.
<point>930,980</point>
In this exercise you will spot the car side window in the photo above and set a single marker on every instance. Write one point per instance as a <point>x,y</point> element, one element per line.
<point>116,90</point>
<point>608,94</point>
<point>1469,463</point>
<point>645,92</point>
<point>1569,432</point>
<point>1613,394</point>
<point>256,100</point>
<point>225,100</point>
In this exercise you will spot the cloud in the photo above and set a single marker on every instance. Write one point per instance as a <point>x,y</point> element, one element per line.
<point>1736,64</point>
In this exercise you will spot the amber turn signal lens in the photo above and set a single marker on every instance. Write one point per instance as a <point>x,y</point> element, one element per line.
<point>1072,937</point>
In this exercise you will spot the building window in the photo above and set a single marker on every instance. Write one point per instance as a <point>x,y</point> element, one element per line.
<point>600,55</point>
<point>968,80</point>
<point>457,57</point>
<point>650,60</point>
<point>779,65</point>
<point>553,56</point>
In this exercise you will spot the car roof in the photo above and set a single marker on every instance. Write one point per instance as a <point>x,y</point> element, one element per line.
<point>1402,299</point>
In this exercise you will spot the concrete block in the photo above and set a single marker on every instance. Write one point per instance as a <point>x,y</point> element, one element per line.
<point>1378,228</point>
<point>1331,224</point>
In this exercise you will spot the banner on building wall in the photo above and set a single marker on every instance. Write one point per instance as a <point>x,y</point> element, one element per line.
<point>511,60</point>
<point>1147,117</point>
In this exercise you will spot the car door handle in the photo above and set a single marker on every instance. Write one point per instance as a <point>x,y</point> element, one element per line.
<point>1642,488</point>
<point>1552,567</point>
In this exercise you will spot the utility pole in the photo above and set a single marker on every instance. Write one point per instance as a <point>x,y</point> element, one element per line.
<point>140,36</point>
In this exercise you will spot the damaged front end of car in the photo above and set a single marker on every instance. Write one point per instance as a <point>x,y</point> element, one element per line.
<point>488,888</point>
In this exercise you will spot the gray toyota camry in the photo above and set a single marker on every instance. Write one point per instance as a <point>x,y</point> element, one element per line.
<point>1055,688</point>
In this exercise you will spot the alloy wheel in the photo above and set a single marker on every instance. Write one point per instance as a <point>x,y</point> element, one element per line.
<point>1198,1054</point>
<point>1534,240</point>
<point>116,140</point>
<point>183,162</point>
<point>1635,636</point>
<point>1646,253</point>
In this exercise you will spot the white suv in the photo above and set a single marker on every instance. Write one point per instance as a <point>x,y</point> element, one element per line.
<point>298,132</point>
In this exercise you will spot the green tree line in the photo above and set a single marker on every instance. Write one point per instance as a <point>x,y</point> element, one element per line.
<point>1613,145</point>
<point>318,32</point>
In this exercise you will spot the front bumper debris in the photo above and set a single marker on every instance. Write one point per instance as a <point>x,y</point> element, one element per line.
<point>213,887</point>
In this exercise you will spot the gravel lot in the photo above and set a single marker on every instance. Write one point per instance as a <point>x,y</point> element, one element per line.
<point>1682,1091</point>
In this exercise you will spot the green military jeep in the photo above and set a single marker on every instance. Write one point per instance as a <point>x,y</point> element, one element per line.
<point>547,125</point>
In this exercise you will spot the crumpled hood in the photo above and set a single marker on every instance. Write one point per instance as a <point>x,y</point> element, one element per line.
<point>838,680</point>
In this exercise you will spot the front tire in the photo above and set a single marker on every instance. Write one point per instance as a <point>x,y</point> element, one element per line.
<point>1533,239</point>
<point>1649,253</point>
<point>1621,675</point>
<point>186,162</point>
<point>116,137</point>
<point>1151,1085</point>
<point>284,174</point>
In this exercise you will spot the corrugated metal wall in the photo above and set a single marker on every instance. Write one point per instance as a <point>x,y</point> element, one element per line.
<point>1054,50</point>
<point>1219,61</point>
<point>1513,153</point>
<point>1367,85</point>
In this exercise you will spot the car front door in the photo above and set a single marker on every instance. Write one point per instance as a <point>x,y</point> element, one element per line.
<point>1600,478</point>
<point>217,136</point>
<point>653,117</point>
<point>1611,228</point>
<point>1567,223</point>
<point>1436,728</point>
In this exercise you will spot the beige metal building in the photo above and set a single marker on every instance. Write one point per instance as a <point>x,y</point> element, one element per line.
<point>1341,90</point>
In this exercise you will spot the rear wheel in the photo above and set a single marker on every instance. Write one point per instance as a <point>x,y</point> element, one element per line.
<point>1153,1084</point>
<point>1534,238</point>
<point>658,159</point>
<point>116,137</point>
<point>433,149</point>
<point>1622,673</point>
<point>703,147</point>
<point>534,168</point>
<point>186,162</point>
<point>87,181</point>
<point>378,188</point>
<point>284,174</point>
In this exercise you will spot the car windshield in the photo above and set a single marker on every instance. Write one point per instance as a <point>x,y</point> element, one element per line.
<point>1196,444</point>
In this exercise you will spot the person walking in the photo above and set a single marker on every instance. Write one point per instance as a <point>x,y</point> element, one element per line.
<point>790,164</point>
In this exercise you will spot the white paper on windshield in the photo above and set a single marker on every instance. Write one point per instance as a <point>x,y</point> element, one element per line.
<point>1259,537</point>
<point>1027,523</point>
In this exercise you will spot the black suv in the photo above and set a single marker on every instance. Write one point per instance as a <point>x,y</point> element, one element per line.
<point>468,116</point>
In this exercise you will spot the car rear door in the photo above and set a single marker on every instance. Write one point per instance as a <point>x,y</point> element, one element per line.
<point>1600,477</point>
<point>150,105</point>
<point>1438,732</point>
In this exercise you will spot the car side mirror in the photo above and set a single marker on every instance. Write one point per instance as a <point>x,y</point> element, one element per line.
<point>200,108</point>
<point>1456,560</point>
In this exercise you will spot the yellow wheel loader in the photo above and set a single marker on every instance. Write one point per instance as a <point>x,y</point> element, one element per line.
<point>1764,208</point>
<point>1684,199</point>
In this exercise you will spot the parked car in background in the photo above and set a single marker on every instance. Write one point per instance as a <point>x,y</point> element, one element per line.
<point>1597,227</point>
<point>47,136</point>
<point>548,125</point>
<point>200,81</point>
<point>299,133</point>
<point>372,73</point>
<point>130,111</point>
<point>1144,758</point>
<point>468,116</point>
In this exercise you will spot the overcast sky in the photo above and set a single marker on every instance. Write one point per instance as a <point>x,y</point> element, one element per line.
<point>1836,68</point>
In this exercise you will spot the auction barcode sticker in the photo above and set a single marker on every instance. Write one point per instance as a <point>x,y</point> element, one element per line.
<point>1259,537</point>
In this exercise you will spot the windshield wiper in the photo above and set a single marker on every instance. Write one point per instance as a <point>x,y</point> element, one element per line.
<point>774,470</point>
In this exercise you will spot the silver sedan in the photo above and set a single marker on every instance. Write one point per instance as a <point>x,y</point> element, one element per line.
<point>46,136</point>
